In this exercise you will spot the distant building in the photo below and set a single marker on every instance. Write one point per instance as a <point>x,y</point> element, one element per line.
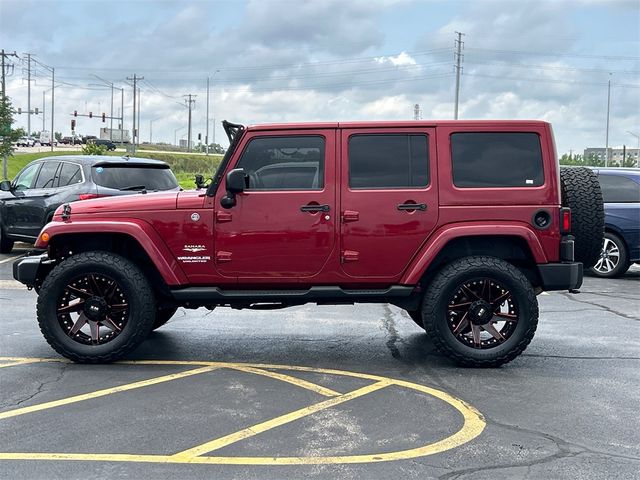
<point>615,153</point>
<point>183,143</point>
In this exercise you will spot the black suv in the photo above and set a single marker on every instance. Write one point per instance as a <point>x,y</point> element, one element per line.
<point>28,203</point>
<point>106,143</point>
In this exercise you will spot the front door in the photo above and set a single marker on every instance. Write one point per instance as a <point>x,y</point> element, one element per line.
<point>283,226</point>
<point>389,199</point>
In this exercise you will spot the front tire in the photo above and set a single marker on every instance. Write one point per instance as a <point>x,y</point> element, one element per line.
<point>614,258</point>
<point>95,307</point>
<point>480,311</point>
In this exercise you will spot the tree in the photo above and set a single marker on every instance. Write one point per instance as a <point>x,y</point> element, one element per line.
<point>58,136</point>
<point>629,161</point>
<point>7,134</point>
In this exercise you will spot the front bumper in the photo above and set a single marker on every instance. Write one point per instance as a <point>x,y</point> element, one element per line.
<point>560,276</point>
<point>29,270</point>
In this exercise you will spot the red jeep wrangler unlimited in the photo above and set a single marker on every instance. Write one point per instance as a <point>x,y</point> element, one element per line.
<point>461,223</point>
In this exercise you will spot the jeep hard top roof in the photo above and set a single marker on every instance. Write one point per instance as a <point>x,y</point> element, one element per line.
<point>398,124</point>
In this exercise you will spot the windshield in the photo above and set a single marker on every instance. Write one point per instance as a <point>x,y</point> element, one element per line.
<point>122,177</point>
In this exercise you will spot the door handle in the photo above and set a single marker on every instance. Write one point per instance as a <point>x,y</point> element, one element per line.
<point>315,208</point>
<point>412,206</point>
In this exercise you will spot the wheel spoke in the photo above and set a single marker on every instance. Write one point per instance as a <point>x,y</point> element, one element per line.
<point>95,331</point>
<point>459,306</point>
<point>469,293</point>
<point>111,290</point>
<point>500,300</point>
<point>111,324</point>
<point>464,323</point>
<point>94,286</point>
<point>508,316</point>
<point>475,332</point>
<point>78,292</point>
<point>493,331</point>
<point>486,290</point>
<point>81,322</point>
<point>119,307</point>
<point>74,307</point>
<point>598,266</point>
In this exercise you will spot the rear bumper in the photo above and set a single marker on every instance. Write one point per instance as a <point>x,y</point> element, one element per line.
<point>26,270</point>
<point>560,276</point>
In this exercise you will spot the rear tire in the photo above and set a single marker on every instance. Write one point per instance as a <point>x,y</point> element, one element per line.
<point>614,258</point>
<point>480,311</point>
<point>581,192</point>
<point>90,293</point>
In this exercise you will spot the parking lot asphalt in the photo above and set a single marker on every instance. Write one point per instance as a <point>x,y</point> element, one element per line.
<point>326,392</point>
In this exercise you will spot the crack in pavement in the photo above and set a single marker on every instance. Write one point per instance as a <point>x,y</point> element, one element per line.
<point>611,295</point>
<point>569,296</point>
<point>389,325</point>
<point>565,449</point>
<point>41,387</point>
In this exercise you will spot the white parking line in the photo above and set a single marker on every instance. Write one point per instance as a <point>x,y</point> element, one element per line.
<point>11,285</point>
<point>10,258</point>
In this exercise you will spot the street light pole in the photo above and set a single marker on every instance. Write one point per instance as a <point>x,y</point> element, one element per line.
<point>151,129</point>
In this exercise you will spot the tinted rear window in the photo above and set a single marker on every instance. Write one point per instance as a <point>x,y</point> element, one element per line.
<point>487,159</point>
<point>388,161</point>
<point>123,177</point>
<point>619,189</point>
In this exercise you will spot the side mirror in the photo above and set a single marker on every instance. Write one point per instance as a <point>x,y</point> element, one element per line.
<point>5,185</point>
<point>236,183</point>
<point>200,182</point>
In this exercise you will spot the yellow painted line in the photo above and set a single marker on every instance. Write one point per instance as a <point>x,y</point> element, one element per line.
<point>276,422</point>
<point>327,392</point>
<point>473,425</point>
<point>18,362</point>
<point>102,393</point>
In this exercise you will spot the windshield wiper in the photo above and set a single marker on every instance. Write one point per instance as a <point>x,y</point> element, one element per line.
<point>134,187</point>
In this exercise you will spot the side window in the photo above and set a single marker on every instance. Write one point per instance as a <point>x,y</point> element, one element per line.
<point>25,179</point>
<point>487,159</point>
<point>284,163</point>
<point>47,175</point>
<point>70,174</point>
<point>619,189</point>
<point>388,161</point>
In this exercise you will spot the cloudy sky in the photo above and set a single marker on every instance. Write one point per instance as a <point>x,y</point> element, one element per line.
<point>280,60</point>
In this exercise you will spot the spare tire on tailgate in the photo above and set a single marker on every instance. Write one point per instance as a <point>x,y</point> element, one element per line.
<point>581,192</point>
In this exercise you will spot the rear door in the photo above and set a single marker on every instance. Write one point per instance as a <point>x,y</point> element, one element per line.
<point>389,199</point>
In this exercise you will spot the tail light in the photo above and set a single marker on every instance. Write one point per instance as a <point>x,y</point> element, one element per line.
<point>89,196</point>
<point>565,220</point>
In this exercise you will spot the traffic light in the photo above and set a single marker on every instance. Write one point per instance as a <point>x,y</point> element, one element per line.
<point>19,111</point>
<point>199,136</point>
<point>104,117</point>
<point>36,110</point>
<point>90,114</point>
<point>75,113</point>
<point>73,124</point>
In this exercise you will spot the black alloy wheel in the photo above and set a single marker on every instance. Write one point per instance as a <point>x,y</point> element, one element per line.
<point>480,311</point>
<point>95,307</point>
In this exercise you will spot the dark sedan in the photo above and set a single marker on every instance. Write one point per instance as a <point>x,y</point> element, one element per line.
<point>28,203</point>
<point>621,246</point>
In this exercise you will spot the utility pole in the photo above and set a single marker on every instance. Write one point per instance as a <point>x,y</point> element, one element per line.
<point>139,124</point>
<point>606,148</point>
<point>458,56</point>
<point>28,94</point>
<point>4,73</point>
<point>206,134</point>
<point>110,84</point>
<point>191,101</point>
<point>416,111</point>
<point>43,111</point>
<point>133,139</point>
